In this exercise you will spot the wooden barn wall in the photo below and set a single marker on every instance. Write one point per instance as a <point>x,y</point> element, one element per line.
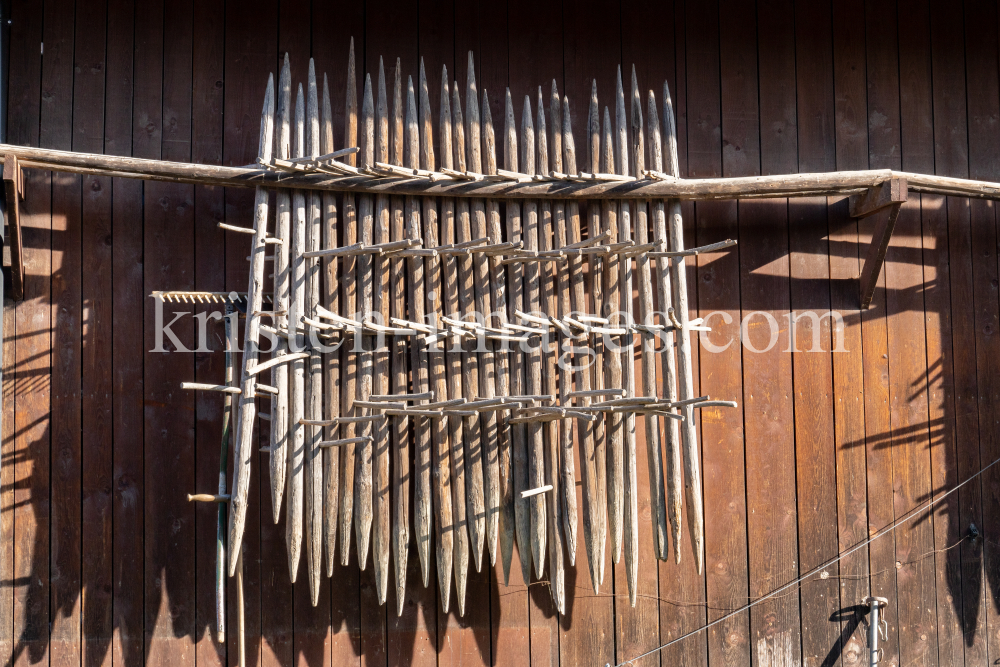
<point>102,560</point>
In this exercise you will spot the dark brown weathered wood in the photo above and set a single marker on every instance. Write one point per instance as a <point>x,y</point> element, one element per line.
<point>874,199</point>
<point>14,191</point>
<point>881,234</point>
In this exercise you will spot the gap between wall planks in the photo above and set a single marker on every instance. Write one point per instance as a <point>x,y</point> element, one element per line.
<point>127,257</point>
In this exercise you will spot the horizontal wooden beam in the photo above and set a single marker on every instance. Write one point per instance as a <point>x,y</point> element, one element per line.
<point>754,187</point>
<point>872,200</point>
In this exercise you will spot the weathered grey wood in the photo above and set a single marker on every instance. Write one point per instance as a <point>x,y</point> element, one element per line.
<point>519,444</point>
<point>349,304</point>
<point>472,427</point>
<point>654,455</point>
<point>401,469</point>
<point>453,361</point>
<point>567,468</point>
<point>678,275</point>
<point>615,221</point>
<point>295,479</point>
<point>419,362</point>
<point>366,213</point>
<point>444,525</point>
<point>673,473</point>
<point>536,442</point>
<point>585,429</point>
<point>499,318</point>
<point>484,305</point>
<point>380,308</point>
<point>314,363</point>
<point>331,360</point>
<point>549,300</point>
<point>243,449</point>
<point>279,374</point>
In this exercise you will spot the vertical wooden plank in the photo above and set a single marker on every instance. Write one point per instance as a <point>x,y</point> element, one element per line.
<point>168,264</point>
<point>7,480</point>
<point>764,293</point>
<point>952,392</point>
<point>812,361</point>
<point>96,410</point>
<point>883,147</point>
<point>128,299</point>
<point>208,41</point>
<point>908,348</point>
<point>250,55</point>
<point>982,81</point>
<point>56,127</point>
<point>850,105</point>
<point>720,363</point>
<point>32,388</point>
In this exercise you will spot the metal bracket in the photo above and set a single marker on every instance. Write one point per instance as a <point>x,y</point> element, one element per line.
<point>884,200</point>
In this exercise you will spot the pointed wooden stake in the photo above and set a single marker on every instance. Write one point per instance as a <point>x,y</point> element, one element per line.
<point>484,305</point>
<point>419,361</point>
<point>673,475</point>
<point>349,304</point>
<point>441,460</point>
<point>331,360</point>
<point>453,361</point>
<point>567,485</point>
<point>380,305</point>
<point>314,364</point>
<point>401,469</point>
<point>519,444</point>
<point>279,374</point>
<point>549,303</point>
<point>678,273</point>
<point>295,479</point>
<point>591,508</point>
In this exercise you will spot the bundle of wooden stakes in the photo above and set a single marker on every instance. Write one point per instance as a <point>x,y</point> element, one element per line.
<point>451,351</point>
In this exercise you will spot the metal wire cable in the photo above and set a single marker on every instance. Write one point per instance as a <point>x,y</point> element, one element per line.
<point>885,531</point>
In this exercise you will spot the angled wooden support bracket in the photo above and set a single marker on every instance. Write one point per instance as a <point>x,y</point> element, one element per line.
<point>884,201</point>
<point>13,183</point>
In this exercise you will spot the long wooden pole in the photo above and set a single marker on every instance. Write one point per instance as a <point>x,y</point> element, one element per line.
<point>349,303</point>
<point>441,460</point>
<point>296,309</point>
<point>331,360</point>
<point>567,487</point>
<point>453,361</point>
<point>585,429</point>
<point>483,295</point>
<point>550,381</point>
<point>314,363</point>
<point>255,294</point>
<point>674,474</point>
<point>380,307</point>
<point>363,486</point>
<point>476,512</point>
<point>678,274</point>
<point>419,360</point>
<point>279,373</point>
<point>519,445</point>
<point>498,299</point>
<point>401,468</point>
